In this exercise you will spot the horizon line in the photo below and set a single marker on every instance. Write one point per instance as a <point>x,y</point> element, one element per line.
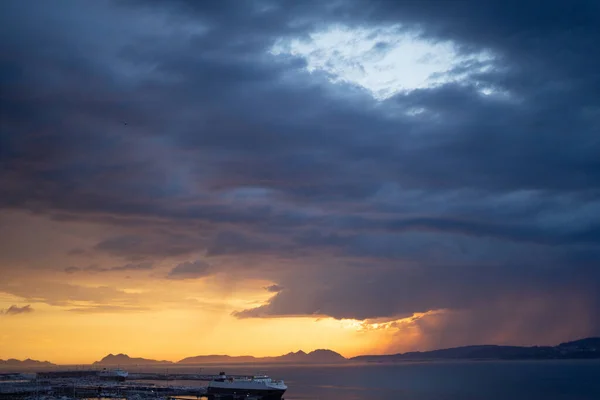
<point>295,352</point>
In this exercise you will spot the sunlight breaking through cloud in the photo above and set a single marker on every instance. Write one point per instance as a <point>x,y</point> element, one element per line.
<point>385,323</point>
<point>385,61</point>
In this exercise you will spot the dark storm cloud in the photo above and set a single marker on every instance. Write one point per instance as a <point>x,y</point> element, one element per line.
<point>190,270</point>
<point>371,211</point>
<point>371,292</point>
<point>274,288</point>
<point>16,310</point>
<point>127,267</point>
<point>235,243</point>
<point>144,245</point>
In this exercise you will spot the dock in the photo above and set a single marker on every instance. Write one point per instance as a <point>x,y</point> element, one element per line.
<point>176,377</point>
<point>80,384</point>
<point>79,390</point>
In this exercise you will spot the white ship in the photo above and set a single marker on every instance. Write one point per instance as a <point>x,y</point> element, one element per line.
<point>114,374</point>
<point>260,386</point>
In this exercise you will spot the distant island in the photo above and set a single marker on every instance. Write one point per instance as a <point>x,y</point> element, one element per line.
<point>11,362</point>
<point>299,357</point>
<point>124,359</point>
<point>321,356</point>
<point>579,349</point>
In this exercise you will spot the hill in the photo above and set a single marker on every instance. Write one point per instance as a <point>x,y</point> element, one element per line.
<point>11,362</point>
<point>584,348</point>
<point>316,357</point>
<point>592,343</point>
<point>216,358</point>
<point>124,359</point>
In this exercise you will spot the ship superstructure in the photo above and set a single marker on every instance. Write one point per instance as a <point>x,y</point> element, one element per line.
<point>117,374</point>
<point>261,386</point>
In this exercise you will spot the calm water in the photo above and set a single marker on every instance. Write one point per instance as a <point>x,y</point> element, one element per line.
<point>501,380</point>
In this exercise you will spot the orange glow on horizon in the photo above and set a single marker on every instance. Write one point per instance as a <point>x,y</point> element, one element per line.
<point>82,316</point>
<point>62,336</point>
<point>65,337</point>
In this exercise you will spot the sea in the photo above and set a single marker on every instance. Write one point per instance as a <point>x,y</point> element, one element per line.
<point>460,380</point>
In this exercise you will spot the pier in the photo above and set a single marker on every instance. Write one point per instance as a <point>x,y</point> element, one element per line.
<point>87,385</point>
<point>79,390</point>
<point>177,377</point>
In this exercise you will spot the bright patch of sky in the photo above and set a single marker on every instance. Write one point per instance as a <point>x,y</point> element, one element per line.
<point>385,61</point>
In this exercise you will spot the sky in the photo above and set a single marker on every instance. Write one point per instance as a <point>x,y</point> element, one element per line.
<point>186,177</point>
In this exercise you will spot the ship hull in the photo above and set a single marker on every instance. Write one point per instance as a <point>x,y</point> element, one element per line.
<point>113,378</point>
<point>263,394</point>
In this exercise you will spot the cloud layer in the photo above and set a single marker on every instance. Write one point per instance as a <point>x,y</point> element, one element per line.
<point>16,310</point>
<point>184,136</point>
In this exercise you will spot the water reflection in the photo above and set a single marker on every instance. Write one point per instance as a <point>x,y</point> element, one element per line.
<point>148,397</point>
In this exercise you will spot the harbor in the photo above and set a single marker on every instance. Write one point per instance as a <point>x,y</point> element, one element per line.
<point>92,385</point>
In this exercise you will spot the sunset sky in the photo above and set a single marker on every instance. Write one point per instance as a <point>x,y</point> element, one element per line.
<point>253,177</point>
